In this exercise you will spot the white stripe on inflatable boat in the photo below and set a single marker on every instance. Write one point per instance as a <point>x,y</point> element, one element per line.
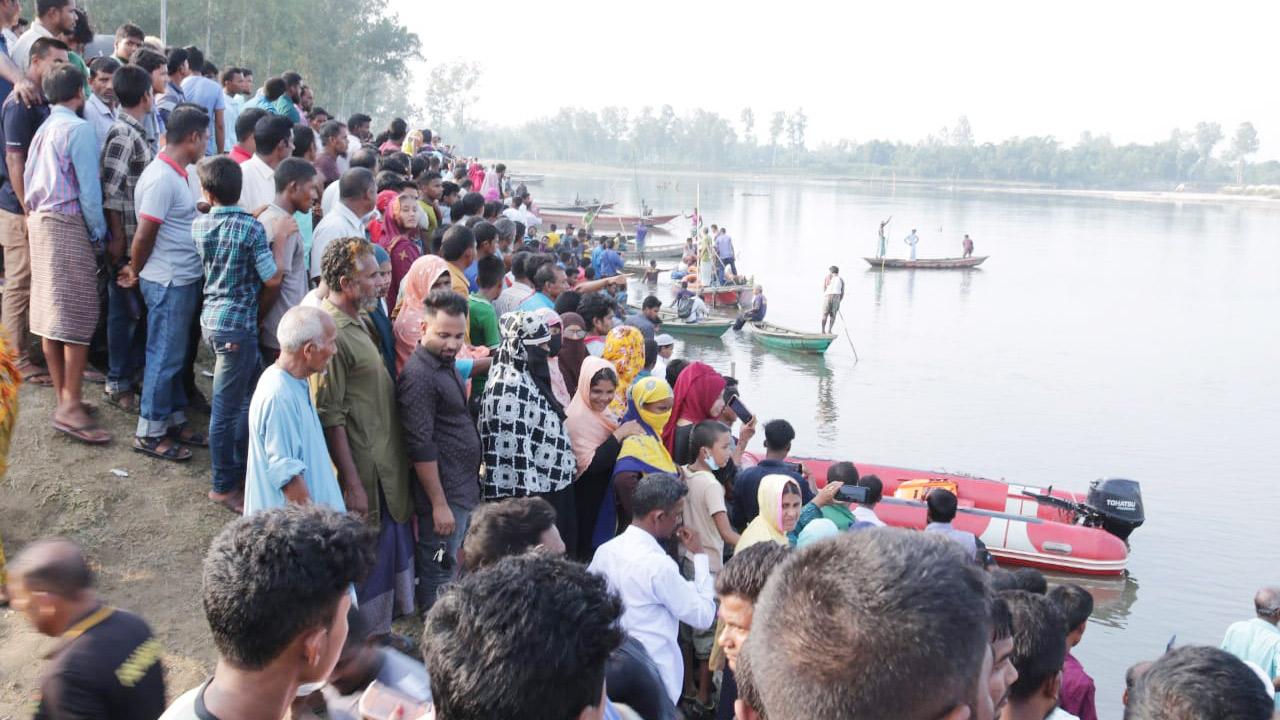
<point>1007,534</point>
<point>1014,504</point>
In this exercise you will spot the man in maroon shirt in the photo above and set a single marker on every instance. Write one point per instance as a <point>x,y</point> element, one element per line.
<point>1077,694</point>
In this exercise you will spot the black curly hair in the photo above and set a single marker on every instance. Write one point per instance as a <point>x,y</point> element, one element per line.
<point>341,260</point>
<point>275,574</point>
<point>527,637</point>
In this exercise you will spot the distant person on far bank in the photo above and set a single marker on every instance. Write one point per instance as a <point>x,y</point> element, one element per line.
<point>912,240</point>
<point>968,245</point>
<point>832,295</point>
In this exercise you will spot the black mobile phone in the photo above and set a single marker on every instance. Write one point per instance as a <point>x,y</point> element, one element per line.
<point>797,468</point>
<point>852,493</point>
<point>741,410</point>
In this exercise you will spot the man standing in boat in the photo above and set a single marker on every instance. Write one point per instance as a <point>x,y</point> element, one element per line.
<point>911,240</point>
<point>883,239</point>
<point>968,245</point>
<point>832,295</point>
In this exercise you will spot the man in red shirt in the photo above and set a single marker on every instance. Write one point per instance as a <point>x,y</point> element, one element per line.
<point>1077,694</point>
<point>245,145</point>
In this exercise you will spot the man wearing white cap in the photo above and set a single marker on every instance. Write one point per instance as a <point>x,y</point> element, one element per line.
<point>666,346</point>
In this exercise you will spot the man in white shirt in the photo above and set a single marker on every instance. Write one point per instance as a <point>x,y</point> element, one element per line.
<point>655,597</point>
<point>866,511</point>
<point>518,212</point>
<point>350,215</point>
<point>832,294</point>
<point>58,18</point>
<point>363,158</point>
<point>235,87</point>
<point>273,137</point>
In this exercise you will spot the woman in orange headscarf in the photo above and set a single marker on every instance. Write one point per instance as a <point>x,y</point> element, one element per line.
<point>624,347</point>
<point>427,273</point>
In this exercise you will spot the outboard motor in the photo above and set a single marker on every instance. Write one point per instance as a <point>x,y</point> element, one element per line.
<point>1119,503</point>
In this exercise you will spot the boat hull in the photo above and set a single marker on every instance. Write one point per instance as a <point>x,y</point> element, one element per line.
<point>1017,530</point>
<point>707,328</point>
<point>926,263</point>
<point>604,222</point>
<point>777,338</point>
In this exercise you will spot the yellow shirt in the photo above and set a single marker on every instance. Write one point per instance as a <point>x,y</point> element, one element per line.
<point>459,284</point>
<point>553,239</point>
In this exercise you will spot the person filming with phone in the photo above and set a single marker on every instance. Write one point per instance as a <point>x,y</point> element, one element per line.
<point>778,435</point>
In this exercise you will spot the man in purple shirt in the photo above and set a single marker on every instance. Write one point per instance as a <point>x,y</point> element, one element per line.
<point>1077,694</point>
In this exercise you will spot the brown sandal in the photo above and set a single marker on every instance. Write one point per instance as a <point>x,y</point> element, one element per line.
<point>89,434</point>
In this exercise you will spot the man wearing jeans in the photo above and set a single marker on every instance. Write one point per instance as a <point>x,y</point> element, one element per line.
<point>164,262</point>
<point>441,439</point>
<point>127,153</point>
<point>238,266</point>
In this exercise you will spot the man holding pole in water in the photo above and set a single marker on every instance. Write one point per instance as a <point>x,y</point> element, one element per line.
<point>911,240</point>
<point>882,237</point>
<point>968,245</point>
<point>832,294</point>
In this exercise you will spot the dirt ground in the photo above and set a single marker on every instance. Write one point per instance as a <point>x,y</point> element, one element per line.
<point>145,534</point>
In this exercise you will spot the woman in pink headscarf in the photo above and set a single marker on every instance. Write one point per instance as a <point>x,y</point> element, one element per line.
<point>476,174</point>
<point>429,273</point>
<point>399,238</point>
<point>375,226</point>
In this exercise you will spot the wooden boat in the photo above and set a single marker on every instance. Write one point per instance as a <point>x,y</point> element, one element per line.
<point>605,222</point>
<point>780,338</point>
<point>665,251</point>
<point>1045,528</point>
<point>575,208</point>
<point>734,296</point>
<point>926,263</point>
<point>671,323</point>
<point>527,179</point>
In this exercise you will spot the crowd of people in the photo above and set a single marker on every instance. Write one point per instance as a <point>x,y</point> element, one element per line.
<point>424,403</point>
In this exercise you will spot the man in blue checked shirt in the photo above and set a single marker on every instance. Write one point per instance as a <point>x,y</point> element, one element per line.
<point>241,281</point>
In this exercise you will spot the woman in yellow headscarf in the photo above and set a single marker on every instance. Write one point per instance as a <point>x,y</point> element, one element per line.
<point>780,501</point>
<point>624,347</point>
<point>649,405</point>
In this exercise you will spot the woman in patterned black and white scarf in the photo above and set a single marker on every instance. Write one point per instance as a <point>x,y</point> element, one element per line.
<point>526,446</point>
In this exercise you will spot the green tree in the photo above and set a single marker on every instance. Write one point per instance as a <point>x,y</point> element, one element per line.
<point>1207,135</point>
<point>451,87</point>
<point>962,133</point>
<point>748,118</point>
<point>1244,144</point>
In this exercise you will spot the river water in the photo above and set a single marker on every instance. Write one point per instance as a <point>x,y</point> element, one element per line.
<point>1103,338</point>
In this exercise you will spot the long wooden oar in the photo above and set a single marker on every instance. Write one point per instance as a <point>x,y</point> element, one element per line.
<point>847,336</point>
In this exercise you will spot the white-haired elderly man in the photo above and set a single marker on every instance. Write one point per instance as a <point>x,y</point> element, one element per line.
<point>288,458</point>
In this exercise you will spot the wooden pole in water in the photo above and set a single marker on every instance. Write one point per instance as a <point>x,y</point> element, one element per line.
<point>848,337</point>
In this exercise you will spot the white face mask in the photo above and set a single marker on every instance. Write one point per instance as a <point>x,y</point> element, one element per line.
<point>306,689</point>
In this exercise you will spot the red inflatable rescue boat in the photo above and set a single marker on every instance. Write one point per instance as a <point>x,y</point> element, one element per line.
<point>1049,529</point>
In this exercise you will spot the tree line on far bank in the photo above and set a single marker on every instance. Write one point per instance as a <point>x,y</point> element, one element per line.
<point>1201,158</point>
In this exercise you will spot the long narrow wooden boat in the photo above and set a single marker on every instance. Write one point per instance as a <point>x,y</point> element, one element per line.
<point>781,338</point>
<point>1047,528</point>
<point>575,208</point>
<point>605,222</point>
<point>926,263</point>
<point>671,323</point>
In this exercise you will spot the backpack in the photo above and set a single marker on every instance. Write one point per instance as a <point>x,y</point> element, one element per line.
<point>684,307</point>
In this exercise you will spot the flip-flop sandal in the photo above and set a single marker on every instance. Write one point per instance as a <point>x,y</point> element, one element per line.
<point>33,375</point>
<point>93,376</point>
<point>150,446</point>
<point>84,433</point>
<point>177,433</point>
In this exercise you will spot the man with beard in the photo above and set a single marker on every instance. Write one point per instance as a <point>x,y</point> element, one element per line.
<point>356,401</point>
<point>440,437</point>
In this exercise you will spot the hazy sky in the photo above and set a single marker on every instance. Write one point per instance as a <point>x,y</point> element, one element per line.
<point>895,69</point>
